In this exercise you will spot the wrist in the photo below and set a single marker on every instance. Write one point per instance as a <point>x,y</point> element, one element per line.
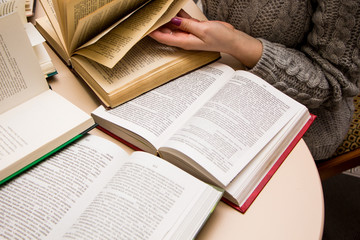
<point>246,49</point>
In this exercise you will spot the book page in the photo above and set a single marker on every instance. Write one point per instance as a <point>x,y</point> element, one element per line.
<point>35,202</point>
<point>234,125</point>
<point>157,114</point>
<point>95,25</point>
<point>92,184</point>
<point>49,10</point>
<point>44,26</point>
<point>144,199</point>
<point>69,13</point>
<point>45,62</point>
<point>21,77</point>
<point>253,173</point>
<point>142,59</point>
<point>84,19</point>
<point>10,6</point>
<point>37,41</point>
<point>34,36</point>
<point>36,127</point>
<point>114,45</point>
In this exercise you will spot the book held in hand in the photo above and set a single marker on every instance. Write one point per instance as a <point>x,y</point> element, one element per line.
<point>34,120</point>
<point>93,189</point>
<point>228,128</point>
<point>108,47</point>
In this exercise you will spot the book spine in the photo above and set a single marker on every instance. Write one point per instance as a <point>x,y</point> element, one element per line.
<point>118,138</point>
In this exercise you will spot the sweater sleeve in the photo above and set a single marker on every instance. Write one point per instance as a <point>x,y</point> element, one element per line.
<point>325,69</point>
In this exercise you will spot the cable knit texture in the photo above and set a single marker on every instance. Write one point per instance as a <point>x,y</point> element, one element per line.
<point>310,52</point>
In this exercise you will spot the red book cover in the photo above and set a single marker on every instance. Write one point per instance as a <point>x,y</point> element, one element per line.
<point>272,171</point>
<point>264,180</point>
<point>118,138</point>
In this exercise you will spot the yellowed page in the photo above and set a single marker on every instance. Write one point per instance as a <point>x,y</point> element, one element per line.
<point>46,29</point>
<point>98,15</point>
<point>135,64</point>
<point>170,13</point>
<point>59,7</point>
<point>113,47</point>
<point>20,74</point>
<point>48,7</point>
<point>97,23</point>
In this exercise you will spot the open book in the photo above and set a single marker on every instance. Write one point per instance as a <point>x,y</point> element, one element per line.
<point>107,44</point>
<point>37,41</point>
<point>228,128</point>
<point>34,120</point>
<point>93,189</point>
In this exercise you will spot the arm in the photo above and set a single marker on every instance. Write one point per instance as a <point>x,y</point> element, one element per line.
<point>325,68</point>
<point>190,34</point>
<point>321,72</point>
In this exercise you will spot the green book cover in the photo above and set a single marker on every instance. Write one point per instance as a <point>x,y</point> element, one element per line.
<point>46,156</point>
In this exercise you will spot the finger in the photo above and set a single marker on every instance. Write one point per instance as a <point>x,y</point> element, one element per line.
<point>178,38</point>
<point>164,30</point>
<point>183,14</point>
<point>192,26</point>
<point>163,36</point>
<point>160,34</point>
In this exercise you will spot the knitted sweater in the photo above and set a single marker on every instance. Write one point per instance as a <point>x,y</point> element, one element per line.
<point>310,52</point>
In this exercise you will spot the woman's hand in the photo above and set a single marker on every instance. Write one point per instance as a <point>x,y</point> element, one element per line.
<point>191,34</point>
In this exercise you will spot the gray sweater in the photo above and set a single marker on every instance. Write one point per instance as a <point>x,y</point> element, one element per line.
<point>310,52</point>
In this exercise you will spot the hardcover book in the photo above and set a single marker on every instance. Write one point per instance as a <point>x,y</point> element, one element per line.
<point>93,189</point>
<point>106,44</point>
<point>228,128</point>
<point>34,120</point>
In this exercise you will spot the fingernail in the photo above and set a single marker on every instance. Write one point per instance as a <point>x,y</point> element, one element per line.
<point>176,21</point>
